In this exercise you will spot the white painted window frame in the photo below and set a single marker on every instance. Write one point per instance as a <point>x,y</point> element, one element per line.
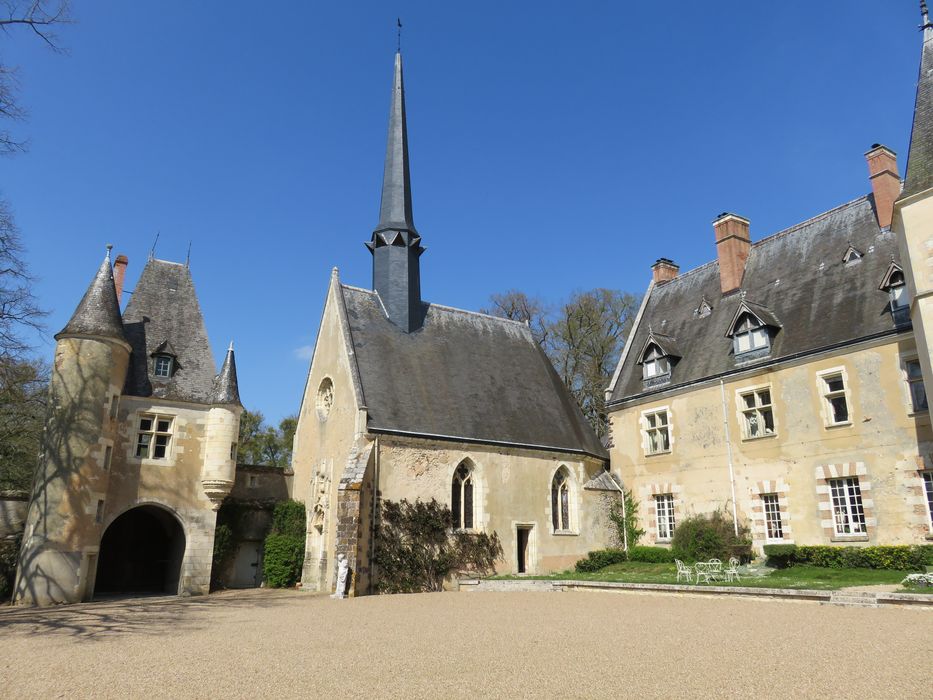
<point>647,430</point>
<point>826,408</point>
<point>906,359</point>
<point>743,410</point>
<point>850,504</point>
<point>670,521</point>
<point>771,505</point>
<point>154,433</point>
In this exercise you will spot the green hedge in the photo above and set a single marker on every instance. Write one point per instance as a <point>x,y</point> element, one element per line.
<point>285,545</point>
<point>600,559</point>
<point>894,557</point>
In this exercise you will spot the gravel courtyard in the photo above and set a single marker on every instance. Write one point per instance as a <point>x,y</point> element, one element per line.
<point>288,644</point>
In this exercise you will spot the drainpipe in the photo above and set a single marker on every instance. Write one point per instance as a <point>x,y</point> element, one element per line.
<point>725,424</point>
<point>372,513</point>
<point>624,517</point>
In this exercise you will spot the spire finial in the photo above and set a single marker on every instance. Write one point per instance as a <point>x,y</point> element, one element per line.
<point>924,15</point>
<point>188,256</point>
<point>109,248</point>
<point>230,349</point>
<point>398,21</point>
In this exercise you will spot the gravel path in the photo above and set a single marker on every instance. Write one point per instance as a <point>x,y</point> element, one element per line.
<point>290,644</point>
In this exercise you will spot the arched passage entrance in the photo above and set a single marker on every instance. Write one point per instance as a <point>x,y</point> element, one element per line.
<point>141,552</point>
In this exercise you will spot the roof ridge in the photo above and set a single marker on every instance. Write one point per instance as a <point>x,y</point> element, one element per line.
<point>812,219</point>
<point>773,236</point>
<point>479,313</point>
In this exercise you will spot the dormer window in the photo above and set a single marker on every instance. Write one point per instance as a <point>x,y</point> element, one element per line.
<point>852,255</point>
<point>164,361</point>
<point>655,363</point>
<point>750,334</point>
<point>163,366</point>
<point>658,356</point>
<point>895,285</point>
<point>752,329</point>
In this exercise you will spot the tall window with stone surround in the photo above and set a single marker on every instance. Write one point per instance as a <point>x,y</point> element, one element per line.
<point>774,526</point>
<point>461,497</point>
<point>928,490</point>
<point>560,500</point>
<point>664,515</point>
<point>848,512</point>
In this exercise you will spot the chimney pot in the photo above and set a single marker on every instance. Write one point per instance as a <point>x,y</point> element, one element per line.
<point>885,182</point>
<point>664,270</point>
<point>119,272</point>
<point>733,243</point>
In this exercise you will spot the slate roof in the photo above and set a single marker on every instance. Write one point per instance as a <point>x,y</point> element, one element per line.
<point>797,276</point>
<point>98,313</point>
<point>920,158</point>
<point>164,309</point>
<point>226,388</point>
<point>462,375</point>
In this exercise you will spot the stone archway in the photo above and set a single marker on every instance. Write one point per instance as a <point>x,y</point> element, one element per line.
<point>141,552</point>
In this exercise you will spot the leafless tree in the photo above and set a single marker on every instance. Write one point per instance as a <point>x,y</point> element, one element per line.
<point>41,17</point>
<point>518,306</point>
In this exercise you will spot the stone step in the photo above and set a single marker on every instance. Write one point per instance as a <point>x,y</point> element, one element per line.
<point>844,604</point>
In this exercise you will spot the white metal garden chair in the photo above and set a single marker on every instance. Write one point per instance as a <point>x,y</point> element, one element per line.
<point>709,570</point>
<point>683,571</point>
<point>732,573</point>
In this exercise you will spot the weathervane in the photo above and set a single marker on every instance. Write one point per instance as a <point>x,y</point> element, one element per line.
<point>398,21</point>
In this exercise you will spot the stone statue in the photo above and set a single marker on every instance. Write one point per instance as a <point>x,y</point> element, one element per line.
<point>343,568</point>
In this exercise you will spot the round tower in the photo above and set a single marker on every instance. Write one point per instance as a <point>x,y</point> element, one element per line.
<point>222,433</point>
<point>63,529</point>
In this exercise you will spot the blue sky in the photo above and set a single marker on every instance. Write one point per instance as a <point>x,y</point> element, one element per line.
<point>554,146</point>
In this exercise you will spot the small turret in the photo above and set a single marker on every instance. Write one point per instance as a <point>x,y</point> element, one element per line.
<point>64,524</point>
<point>223,427</point>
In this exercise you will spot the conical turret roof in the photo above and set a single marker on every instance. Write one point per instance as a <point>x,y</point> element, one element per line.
<point>98,314</point>
<point>226,390</point>
<point>920,158</point>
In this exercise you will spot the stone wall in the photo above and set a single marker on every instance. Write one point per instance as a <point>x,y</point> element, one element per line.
<point>13,507</point>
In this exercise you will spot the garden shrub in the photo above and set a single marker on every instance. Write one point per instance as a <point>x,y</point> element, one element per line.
<point>625,519</point>
<point>708,536</point>
<point>417,549</point>
<point>895,557</point>
<point>653,555</point>
<point>600,559</point>
<point>285,545</point>
<point>780,555</point>
<point>9,550</point>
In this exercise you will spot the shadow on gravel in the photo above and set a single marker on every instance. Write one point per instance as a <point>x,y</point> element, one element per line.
<point>115,617</point>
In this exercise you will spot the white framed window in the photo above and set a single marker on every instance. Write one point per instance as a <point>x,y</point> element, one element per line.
<point>657,431</point>
<point>757,413</point>
<point>162,366</point>
<point>560,501</point>
<point>749,334</point>
<point>774,528</point>
<point>154,436</point>
<point>655,363</point>
<point>461,497</point>
<point>918,394</point>
<point>928,491</point>
<point>664,515</point>
<point>848,512</point>
<point>835,397</point>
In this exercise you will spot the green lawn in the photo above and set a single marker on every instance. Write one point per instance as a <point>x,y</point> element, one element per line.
<point>812,577</point>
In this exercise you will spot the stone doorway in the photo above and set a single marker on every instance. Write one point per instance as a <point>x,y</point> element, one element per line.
<point>523,541</point>
<point>141,552</point>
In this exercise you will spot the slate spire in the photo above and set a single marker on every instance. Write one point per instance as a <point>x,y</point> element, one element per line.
<point>395,244</point>
<point>226,390</point>
<point>98,313</point>
<point>920,157</point>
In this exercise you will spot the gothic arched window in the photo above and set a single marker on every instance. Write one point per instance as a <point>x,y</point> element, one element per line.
<point>461,497</point>
<point>560,500</point>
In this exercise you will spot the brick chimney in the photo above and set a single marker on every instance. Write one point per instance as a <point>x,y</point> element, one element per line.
<point>732,245</point>
<point>885,182</point>
<point>119,272</point>
<point>664,270</point>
